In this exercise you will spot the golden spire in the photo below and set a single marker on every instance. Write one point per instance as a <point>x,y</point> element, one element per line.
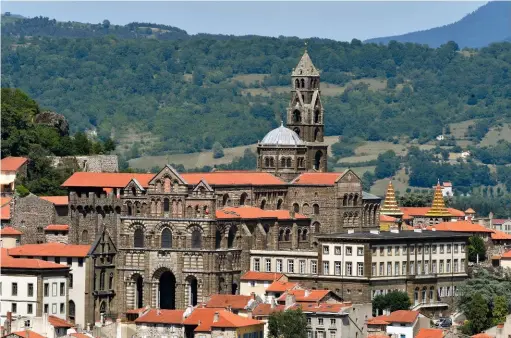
<point>390,206</point>
<point>438,208</point>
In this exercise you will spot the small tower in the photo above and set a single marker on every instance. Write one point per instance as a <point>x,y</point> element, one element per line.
<point>438,209</point>
<point>390,207</point>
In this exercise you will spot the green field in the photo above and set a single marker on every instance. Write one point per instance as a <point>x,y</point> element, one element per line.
<point>495,134</point>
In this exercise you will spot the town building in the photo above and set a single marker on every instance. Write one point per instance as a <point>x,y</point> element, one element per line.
<point>5,211</point>
<point>256,282</point>
<point>32,287</point>
<point>10,169</point>
<point>401,323</point>
<point>39,326</point>
<point>9,237</point>
<point>75,257</point>
<point>238,304</point>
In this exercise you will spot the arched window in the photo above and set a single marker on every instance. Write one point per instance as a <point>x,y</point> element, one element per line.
<point>85,236</point>
<point>166,205</point>
<point>297,131</point>
<point>111,281</point>
<point>263,204</point>
<point>167,184</point>
<point>305,233</point>
<point>315,209</point>
<point>281,235</point>
<point>355,200</point>
<point>218,239</point>
<point>297,83</point>
<point>137,208</point>
<point>296,207</point>
<point>189,211</point>
<point>129,210</point>
<point>243,198</point>
<point>318,160</point>
<point>102,280</point>
<point>196,239</point>
<point>272,162</point>
<point>305,209</point>
<point>287,236</point>
<point>316,134</point>
<point>316,227</point>
<point>225,200</point>
<point>316,116</point>
<point>279,204</point>
<point>297,116</point>
<point>166,238</point>
<point>345,200</point>
<point>138,238</point>
<point>303,83</point>
<point>72,309</point>
<point>231,236</point>
<point>288,162</point>
<point>283,162</point>
<point>267,162</point>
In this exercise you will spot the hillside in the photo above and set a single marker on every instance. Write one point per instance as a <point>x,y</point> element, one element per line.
<point>489,23</point>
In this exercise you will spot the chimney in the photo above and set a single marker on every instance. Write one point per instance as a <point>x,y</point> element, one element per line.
<point>272,304</point>
<point>249,314</point>
<point>290,300</point>
<point>216,317</point>
<point>253,295</point>
<point>307,293</point>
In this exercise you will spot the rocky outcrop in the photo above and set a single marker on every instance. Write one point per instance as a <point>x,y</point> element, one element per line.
<point>52,119</point>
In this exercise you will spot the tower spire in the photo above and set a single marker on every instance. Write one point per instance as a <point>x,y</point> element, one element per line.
<point>390,206</point>
<point>438,208</point>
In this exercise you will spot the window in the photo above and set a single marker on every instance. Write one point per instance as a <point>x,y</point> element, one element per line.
<point>433,249</point>
<point>70,280</point>
<point>302,266</point>
<point>433,267</point>
<point>309,333</point>
<point>349,250</point>
<point>419,249</point>
<point>426,249</point>
<point>403,268</point>
<point>441,248</point>
<point>30,289</point>
<point>373,269</point>
<point>46,289</point>
<point>462,266</point>
<point>309,321</point>
<point>404,250</point>
<point>448,266</point>
<point>69,260</point>
<point>412,249</point>
<point>396,251</point>
<point>396,268</point>
<point>382,271</point>
<point>320,321</point>
<point>326,249</point>
<point>290,265</point>
<point>279,265</point>
<point>314,267</point>
<point>196,239</point>
<point>389,251</point>
<point>360,251</point>
<point>455,265</point>
<point>412,268</point>
<point>337,250</point>
<point>455,248</point>
<point>30,308</point>
<point>45,308</point>
<point>349,268</point>
<point>252,283</point>
<point>332,323</point>
<point>62,308</point>
<point>57,260</point>
<point>426,267</point>
<point>389,269</point>
<point>268,264</point>
<point>138,238</point>
<point>360,269</point>
<point>54,289</point>
<point>14,289</point>
<point>257,264</point>
<point>382,252</point>
<point>441,270</point>
<point>326,268</point>
<point>448,248</point>
<point>462,247</point>
<point>80,261</point>
<point>14,307</point>
<point>337,268</point>
<point>332,333</point>
<point>373,251</point>
<point>166,238</point>
<point>54,308</point>
<point>62,289</point>
<point>419,267</point>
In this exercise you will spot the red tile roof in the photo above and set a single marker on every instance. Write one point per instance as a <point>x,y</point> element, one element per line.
<point>460,226</point>
<point>27,334</point>
<point>237,302</point>
<point>9,231</point>
<point>5,200</point>
<point>305,295</point>
<point>57,200</point>
<point>279,286</point>
<point>106,180</point>
<point>161,317</point>
<point>261,276</point>
<point>387,218</point>
<point>377,321</point>
<point>9,262</point>
<point>430,333</point>
<point>317,179</point>
<point>409,212</point>
<point>322,307</point>
<point>12,163</point>
<point>470,211</point>
<point>248,212</point>
<point>5,208</point>
<point>233,178</point>
<point>51,250</point>
<point>266,309</point>
<point>58,322</point>
<point>506,255</point>
<point>226,319</point>
<point>499,221</point>
<point>57,227</point>
<point>500,235</point>
<point>401,316</point>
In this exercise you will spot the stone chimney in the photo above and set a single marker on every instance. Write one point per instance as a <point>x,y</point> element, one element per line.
<point>216,317</point>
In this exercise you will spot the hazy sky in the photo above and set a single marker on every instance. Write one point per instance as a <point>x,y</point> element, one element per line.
<point>335,20</point>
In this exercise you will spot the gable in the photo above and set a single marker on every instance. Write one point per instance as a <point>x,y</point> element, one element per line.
<point>169,172</point>
<point>133,183</point>
<point>202,186</point>
<point>100,244</point>
<point>348,176</point>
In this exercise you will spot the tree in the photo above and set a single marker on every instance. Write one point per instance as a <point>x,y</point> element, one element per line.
<point>368,179</point>
<point>387,164</point>
<point>476,248</point>
<point>499,311</point>
<point>287,324</point>
<point>477,314</point>
<point>106,24</point>
<point>218,150</point>
<point>392,301</point>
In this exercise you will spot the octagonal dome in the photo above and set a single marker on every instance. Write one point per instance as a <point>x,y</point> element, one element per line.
<point>282,136</point>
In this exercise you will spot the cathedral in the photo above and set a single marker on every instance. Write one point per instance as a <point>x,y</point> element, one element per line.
<point>171,239</point>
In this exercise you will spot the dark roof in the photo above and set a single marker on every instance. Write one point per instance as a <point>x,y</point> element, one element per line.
<point>368,196</point>
<point>388,235</point>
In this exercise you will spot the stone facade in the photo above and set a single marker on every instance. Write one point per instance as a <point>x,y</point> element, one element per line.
<point>93,163</point>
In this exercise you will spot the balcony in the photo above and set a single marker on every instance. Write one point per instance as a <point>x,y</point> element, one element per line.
<point>429,304</point>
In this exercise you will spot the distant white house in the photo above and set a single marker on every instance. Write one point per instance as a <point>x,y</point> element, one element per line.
<point>465,154</point>
<point>440,138</point>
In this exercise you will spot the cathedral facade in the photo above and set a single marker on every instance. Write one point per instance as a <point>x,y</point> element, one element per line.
<point>172,239</point>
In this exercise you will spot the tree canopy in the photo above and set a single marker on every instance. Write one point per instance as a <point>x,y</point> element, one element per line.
<point>287,324</point>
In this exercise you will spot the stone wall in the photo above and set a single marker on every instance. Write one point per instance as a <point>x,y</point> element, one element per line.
<point>56,237</point>
<point>93,163</point>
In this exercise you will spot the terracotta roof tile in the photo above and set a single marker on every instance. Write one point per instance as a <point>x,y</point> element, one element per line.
<point>12,163</point>
<point>261,276</point>
<point>9,262</point>
<point>279,286</point>
<point>27,334</point>
<point>233,178</point>
<point>5,212</point>
<point>57,227</point>
<point>506,254</point>
<point>401,316</point>
<point>305,295</point>
<point>237,302</point>
<point>226,319</point>
<point>136,311</point>
<point>500,235</point>
<point>430,333</point>
<point>266,309</point>
<point>57,200</point>
<point>248,212</point>
<point>321,307</point>
<point>460,226</point>
<point>51,250</point>
<point>58,322</point>
<point>5,200</point>
<point>9,231</point>
<point>377,321</point>
<point>317,179</point>
<point>161,317</point>
<point>106,180</point>
<point>500,221</point>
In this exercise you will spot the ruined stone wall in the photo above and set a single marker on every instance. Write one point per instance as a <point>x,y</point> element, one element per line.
<point>31,215</point>
<point>93,163</point>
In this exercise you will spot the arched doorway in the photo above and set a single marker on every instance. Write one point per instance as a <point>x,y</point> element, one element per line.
<point>318,160</point>
<point>192,291</point>
<point>167,291</point>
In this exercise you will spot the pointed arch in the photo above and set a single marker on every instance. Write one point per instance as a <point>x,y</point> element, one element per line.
<point>317,134</point>
<point>345,200</point>
<point>297,83</point>
<point>287,235</point>
<point>297,116</point>
<point>272,162</point>
<point>85,237</point>
<point>166,238</point>
<point>243,198</point>
<point>302,83</point>
<point>232,236</point>
<point>305,235</point>
<point>196,239</point>
<point>279,204</point>
<point>263,204</point>
<point>318,160</point>
<point>315,209</point>
<point>225,200</point>
<point>281,235</point>
<point>288,162</point>
<point>317,116</point>
<point>297,131</point>
<point>138,238</point>
<point>267,162</point>
<point>283,162</point>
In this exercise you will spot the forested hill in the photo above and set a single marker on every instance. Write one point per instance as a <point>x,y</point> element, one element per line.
<point>489,23</point>
<point>183,95</point>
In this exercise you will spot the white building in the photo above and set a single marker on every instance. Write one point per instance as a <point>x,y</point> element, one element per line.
<point>32,287</point>
<point>257,282</point>
<point>72,256</point>
<point>400,324</point>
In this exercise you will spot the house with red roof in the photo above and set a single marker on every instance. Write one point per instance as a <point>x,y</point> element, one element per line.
<point>5,211</point>
<point>38,326</point>
<point>10,168</point>
<point>401,323</point>
<point>9,237</point>
<point>239,304</point>
<point>73,256</point>
<point>257,282</point>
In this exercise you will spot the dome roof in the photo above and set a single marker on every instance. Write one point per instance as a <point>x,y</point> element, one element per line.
<point>282,136</point>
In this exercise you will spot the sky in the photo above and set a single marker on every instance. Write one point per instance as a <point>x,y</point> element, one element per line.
<point>341,20</point>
